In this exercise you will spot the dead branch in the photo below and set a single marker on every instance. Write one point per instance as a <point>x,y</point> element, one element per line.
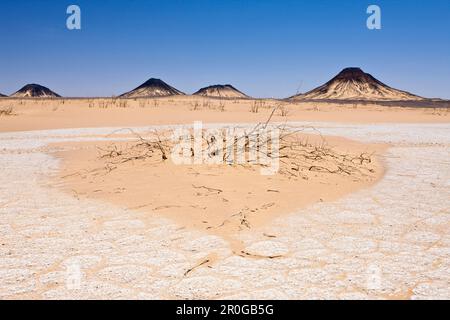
<point>196,266</point>
<point>208,188</point>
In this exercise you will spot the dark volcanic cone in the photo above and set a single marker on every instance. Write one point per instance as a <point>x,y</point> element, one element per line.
<point>355,84</point>
<point>35,91</point>
<point>2,95</point>
<point>153,88</point>
<point>221,91</point>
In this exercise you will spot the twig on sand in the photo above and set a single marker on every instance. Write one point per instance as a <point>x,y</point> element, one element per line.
<point>196,266</point>
<point>248,254</point>
<point>269,235</point>
<point>7,111</point>
<point>208,188</point>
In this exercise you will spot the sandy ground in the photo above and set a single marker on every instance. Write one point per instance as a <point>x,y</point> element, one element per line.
<point>29,114</point>
<point>391,240</point>
<point>218,199</point>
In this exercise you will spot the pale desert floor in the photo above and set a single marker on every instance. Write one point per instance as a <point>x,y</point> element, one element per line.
<point>391,240</point>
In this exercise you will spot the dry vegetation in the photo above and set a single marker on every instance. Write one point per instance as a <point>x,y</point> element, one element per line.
<point>256,106</point>
<point>7,111</point>
<point>297,156</point>
<point>207,104</point>
<point>282,107</point>
<point>284,110</point>
<point>301,162</point>
<point>222,184</point>
<point>439,111</point>
<point>116,102</point>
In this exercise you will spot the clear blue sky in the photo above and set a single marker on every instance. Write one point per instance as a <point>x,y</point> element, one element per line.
<point>265,48</point>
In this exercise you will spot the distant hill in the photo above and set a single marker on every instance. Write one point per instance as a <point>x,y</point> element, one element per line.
<point>355,84</point>
<point>152,88</point>
<point>221,91</point>
<point>35,91</point>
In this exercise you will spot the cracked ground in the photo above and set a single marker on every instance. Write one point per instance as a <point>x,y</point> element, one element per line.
<point>390,241</point>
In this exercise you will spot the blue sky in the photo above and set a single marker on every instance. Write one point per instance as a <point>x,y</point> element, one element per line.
<point>266,48</point>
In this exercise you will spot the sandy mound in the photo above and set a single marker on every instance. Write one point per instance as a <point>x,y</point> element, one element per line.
<point>35,91</point>
<point>355,84</point>
<point>221,91</point>
<point>218,198</point>
<point>153,88</point>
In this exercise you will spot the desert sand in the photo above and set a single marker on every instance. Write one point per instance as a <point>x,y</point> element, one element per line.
<point>218,199</point>
<point>41,114</point>
<point>132,233</point>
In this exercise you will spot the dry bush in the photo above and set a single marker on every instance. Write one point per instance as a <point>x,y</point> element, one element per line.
<point>103,105</point>
<point>195,105</point>
<point>7,111</point>
<point>221,107</point>
<point>256,105</point>
<point>284,110</point>
<point>254,108</point>
<point>440,111</point>
<point>313,108</point>
<point>123,104</point>
<point>143,103</point>
<point>155,148</point>
<point>297,157</point>
<point>206,104</point>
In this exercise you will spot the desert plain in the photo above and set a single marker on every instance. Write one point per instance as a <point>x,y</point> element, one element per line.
<point>90,208</point>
